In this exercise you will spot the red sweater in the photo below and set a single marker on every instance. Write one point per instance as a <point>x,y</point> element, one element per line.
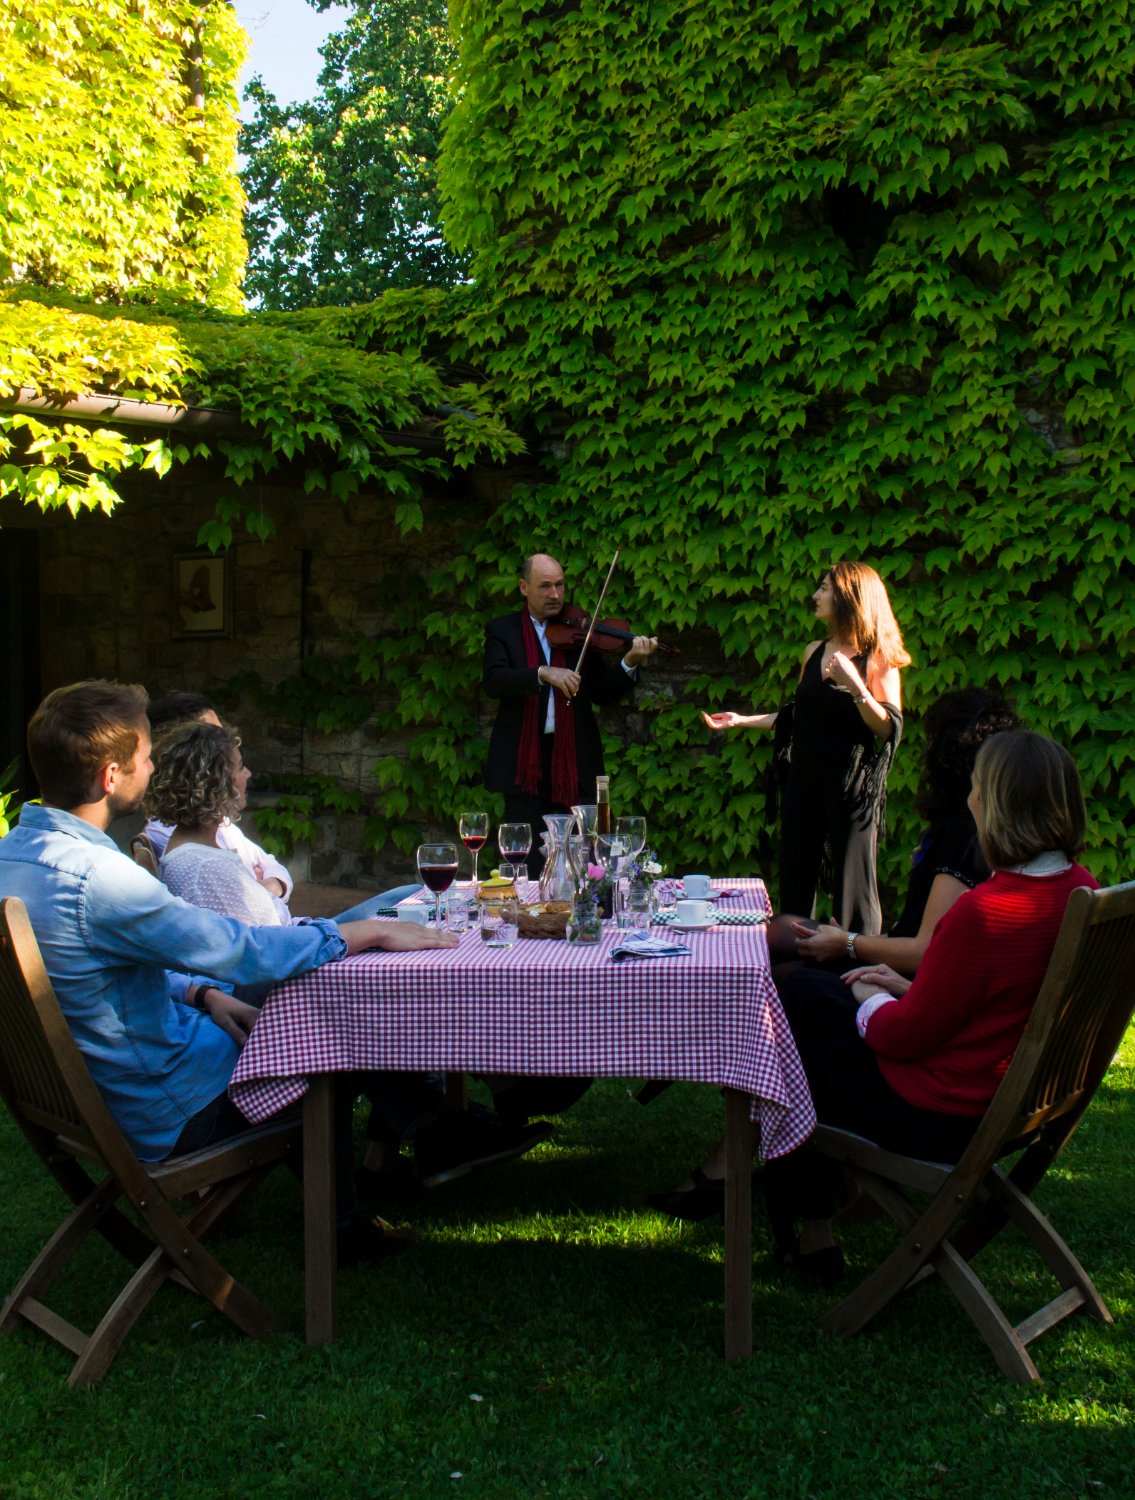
<point>946,1044</point>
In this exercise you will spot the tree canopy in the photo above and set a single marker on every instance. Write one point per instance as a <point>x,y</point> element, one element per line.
<point>342,189</point>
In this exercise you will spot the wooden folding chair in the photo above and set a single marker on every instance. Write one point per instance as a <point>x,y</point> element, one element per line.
<point>143,853</point>
<point>1080,1016</point>
<point>46,1085</point>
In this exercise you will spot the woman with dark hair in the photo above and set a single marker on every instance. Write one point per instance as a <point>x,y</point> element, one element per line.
<point>843,726</point>
<point>947,862</point>
<point>914,1064</point>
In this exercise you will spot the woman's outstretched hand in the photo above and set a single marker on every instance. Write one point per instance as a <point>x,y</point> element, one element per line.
<point>726,720</point>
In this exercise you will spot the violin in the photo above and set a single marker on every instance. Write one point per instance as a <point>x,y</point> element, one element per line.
<point>569,630</point>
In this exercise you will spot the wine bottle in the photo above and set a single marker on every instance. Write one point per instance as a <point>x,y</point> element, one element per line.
<point>603,804</point>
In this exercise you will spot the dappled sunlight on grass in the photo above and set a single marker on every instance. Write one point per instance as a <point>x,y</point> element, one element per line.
<point>591,1330</point>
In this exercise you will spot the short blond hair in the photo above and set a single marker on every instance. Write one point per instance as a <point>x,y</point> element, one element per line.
<point>1030,799</point>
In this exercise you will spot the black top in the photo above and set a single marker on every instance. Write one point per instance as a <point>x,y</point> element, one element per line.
<point>825,720</point>
<point>950,849</point>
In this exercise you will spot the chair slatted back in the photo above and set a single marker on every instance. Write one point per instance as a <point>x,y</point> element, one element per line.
<point>1080,1015</point>
<point>143,853</point>
<point>43,1078</point>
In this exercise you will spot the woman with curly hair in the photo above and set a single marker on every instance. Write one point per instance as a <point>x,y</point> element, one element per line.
<point>843,726</point>
<point>199,783</point>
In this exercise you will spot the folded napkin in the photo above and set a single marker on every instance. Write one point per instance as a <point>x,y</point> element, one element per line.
<point>726,893</point>
<point>642,945</point>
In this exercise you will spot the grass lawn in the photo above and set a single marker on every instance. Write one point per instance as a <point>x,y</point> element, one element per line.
<point>549,1337</point>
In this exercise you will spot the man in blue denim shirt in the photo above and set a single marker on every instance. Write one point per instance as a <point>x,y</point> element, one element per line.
<point>160,1045</point>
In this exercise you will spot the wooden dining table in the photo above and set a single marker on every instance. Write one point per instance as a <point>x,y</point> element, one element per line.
<point>541,1007</point>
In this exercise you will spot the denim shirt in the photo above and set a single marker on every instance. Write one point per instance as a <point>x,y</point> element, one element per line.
<point>108,931</point>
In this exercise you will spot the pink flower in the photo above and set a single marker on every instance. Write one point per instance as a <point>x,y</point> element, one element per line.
<point>596,872</point>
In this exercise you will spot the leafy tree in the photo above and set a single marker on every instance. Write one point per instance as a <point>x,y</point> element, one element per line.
<point>343,190</point>
<point>117,176</point>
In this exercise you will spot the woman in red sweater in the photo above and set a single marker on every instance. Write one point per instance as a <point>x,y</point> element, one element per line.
<point>913,1064</point>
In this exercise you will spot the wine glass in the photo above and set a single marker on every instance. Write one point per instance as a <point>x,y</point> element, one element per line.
<point>633,832</point>
<point>515,843</point>
<point>473,828</point>
<point>437,865</point>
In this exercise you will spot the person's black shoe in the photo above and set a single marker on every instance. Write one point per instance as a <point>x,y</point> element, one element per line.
<point>457,1144</point>
<point>364,1241</point>
<point>702,1201</point>
<point>526,1097</point>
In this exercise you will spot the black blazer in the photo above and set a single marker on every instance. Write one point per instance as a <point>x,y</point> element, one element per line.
<point>505,676</point>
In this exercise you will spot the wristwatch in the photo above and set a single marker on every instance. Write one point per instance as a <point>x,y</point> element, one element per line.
<point>850,945</point>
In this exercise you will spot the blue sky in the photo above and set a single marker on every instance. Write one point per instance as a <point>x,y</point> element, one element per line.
<point>286,36</point>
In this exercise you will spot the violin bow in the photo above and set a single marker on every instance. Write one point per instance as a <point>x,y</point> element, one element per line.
<point>595,611</point>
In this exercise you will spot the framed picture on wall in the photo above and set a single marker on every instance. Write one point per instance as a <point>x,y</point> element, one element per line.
<point>202,595</point>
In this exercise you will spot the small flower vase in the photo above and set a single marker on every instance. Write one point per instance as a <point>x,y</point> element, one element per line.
<point>583,922</point>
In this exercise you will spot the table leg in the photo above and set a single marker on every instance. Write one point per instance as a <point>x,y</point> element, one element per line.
<point>320,1267</point>
<point>738,1226</point>
<point>455,1092</point>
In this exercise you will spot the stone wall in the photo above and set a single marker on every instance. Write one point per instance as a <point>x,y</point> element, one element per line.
<point>107,610</point>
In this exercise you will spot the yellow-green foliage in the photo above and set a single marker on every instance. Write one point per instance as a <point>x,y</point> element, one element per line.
<point>792,281</point>
<point>112,183</point>
<point>321,385</point>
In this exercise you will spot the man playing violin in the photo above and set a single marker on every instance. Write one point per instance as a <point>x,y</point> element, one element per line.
<point>546,750</point>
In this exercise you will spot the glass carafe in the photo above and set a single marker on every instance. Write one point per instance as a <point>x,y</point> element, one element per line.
<point>557,883</point>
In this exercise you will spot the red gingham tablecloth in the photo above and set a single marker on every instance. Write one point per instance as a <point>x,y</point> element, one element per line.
<point>541,1007</point>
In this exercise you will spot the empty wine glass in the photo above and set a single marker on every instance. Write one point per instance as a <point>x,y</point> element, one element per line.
<point>617,853</point>
<point>633,832</point>
<point>473,828</point>
<point>437,865</point>
<point>515,843</point>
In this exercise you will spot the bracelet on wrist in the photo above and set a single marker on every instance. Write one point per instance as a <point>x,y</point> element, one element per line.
<point>850,945</point>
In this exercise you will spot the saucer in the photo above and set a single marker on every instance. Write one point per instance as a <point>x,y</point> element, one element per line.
<point>693,926</point>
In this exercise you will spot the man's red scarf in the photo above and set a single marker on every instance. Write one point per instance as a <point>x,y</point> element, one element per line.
<point>565,772</point>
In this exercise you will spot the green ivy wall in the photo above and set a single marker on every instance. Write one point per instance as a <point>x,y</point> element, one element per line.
<point>786,282</point>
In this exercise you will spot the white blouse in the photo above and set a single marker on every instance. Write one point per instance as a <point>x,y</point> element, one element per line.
<point>216,879</point>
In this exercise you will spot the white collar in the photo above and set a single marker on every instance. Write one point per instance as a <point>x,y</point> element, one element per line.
<point>1051,862</point>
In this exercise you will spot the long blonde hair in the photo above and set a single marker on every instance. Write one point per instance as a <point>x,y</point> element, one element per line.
<point>862,614</point>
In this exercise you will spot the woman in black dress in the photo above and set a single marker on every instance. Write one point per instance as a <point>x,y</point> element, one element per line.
<point>846,720</point>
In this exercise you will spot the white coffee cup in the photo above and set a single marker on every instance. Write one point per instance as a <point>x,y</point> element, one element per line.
<point>693,913</point>
<point>414,912</point>
<point>696,886</point>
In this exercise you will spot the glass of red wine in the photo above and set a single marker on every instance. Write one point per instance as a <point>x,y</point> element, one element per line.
<point>473,828</point>
<point>515,843</point>
<point>437,865</point>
